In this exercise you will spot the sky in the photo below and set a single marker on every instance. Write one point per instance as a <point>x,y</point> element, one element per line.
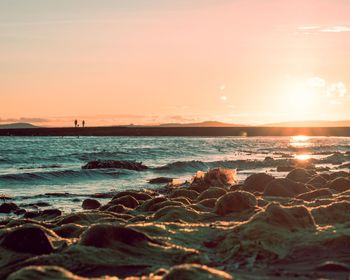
<point>158,61</point>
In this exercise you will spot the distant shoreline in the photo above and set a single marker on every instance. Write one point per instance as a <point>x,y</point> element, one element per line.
<point>178,131</point>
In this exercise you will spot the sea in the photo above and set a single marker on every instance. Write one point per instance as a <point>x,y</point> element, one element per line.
<point>49,169</point>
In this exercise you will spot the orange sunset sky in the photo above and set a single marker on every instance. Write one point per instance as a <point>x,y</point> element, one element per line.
<point>155,61</point>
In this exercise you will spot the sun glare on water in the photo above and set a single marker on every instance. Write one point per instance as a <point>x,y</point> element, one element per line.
<point>302,157</point>
<point>300,138</point>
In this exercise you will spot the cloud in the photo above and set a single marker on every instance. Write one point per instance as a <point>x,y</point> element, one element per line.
<point>314,27</point>
<point>336,29</point>
<point>334,92</point>
<point>325,29</point>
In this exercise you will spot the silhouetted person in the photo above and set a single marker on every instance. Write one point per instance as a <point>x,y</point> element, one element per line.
<point>83,124</point>
<point>76,123</point>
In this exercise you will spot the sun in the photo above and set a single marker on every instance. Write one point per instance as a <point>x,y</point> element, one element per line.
<point>299,100</point>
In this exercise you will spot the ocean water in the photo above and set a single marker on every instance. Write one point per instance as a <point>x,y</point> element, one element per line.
<point>33,167</point>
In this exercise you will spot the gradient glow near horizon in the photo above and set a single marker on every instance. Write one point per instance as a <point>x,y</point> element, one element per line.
<point>155,61</point>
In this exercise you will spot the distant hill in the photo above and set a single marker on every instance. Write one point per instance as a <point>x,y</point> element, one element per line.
<point>344,123</point>
<point>202,124</point>
<point>17,125</point>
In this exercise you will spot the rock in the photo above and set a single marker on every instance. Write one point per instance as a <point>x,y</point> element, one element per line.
<point>182,199</point>
<point>135,194</point>
<point>166,203</point>
<point>339,174</point>
<point>44,272</point>
<point>91,204</point>
<point>117,164</point>
<point>19,212</point>
<point>339,184</point>
<point>190,194</point>
<point>105,235</point>
<point>212,192</point>
<point>46,214</point>
<point>333,213</point>
<point>195,271</point>
<point>119,208</point>
<point>235,202</point>
<point>176,214</point>
<point>86,218</point>
<point>257,182</point>
<point>300,175</point>
<point>284,187</point>
<point>69,230</point>
<point>8,207</point>
<point>315,194</point>
<point>160,180</point>
<point>127,200</point>
<point>290,218</point>
<point>209,202</point>
<point>30,239</point>
<point>333,267</point>
<point>317,181</point>
<point>148,204</point>
<point>283,168</point>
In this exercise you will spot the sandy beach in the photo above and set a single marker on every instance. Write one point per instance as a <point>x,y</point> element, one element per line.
<point>213,227</point>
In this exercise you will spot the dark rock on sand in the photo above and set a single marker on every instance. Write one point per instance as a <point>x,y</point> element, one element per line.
<point>126,200</point>
<point>291,218</point>
<point>317,181</point>
<point>257,182</point>
<point>235,202</point>
<point>105,235</point>
<point>44,214</point>
<point>190,194</point>
<point>315,194</point>
<point>194,271</point>
<point>44,272</point>
<point>209,202</point>
<point>300,175</point>
<point>149,204</point>
<point>90,204</point>
<point>213,192</point>
<point>117,164</point>
<point>27,239</point>
<point>339,184</point>
<point>337,212</point>
<point>177,214</point>
<point>284,168</point>
<point>69,230</point>
<point>160,180</point>
<point>8,207</point>
<point>333,266</point>
<point>135,194</point>
<point>284,187</point>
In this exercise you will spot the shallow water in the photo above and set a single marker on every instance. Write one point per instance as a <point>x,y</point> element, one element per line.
<point>31,166</point>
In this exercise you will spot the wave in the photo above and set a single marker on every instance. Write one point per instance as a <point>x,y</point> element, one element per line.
<point>62,176</point>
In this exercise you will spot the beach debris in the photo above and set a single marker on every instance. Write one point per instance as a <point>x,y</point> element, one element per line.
<point>216,177</point>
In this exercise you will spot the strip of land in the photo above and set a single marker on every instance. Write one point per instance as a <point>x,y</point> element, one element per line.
<point>178,131</point>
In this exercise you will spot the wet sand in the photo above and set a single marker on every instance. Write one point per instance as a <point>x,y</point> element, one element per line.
<point>178,131</point>
<point>210,228</point>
